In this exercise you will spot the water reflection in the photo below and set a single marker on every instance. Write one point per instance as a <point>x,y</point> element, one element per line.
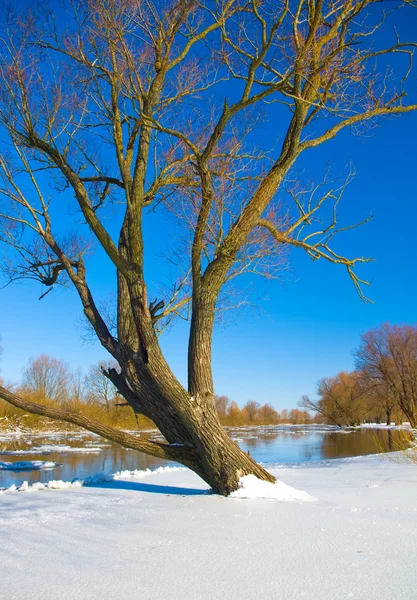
<point>273,444</point>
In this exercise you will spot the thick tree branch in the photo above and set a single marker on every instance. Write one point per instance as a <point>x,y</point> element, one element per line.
<point>159,450</point>
<point>376,112</point>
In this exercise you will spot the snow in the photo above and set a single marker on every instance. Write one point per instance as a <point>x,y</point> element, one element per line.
<point>249,485</point>
<point>404,426</point>
<point>96,479</point>
<point>162,535</point>
<point>252,487</point>
<point>38,486</point>
<point>27,465</point>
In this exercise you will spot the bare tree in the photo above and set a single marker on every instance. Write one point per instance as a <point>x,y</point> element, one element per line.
<point>382,402</point>
<point>284,416</point>
<point>77,385</point>
<point>268,414</point>
<point>388,358</point>
<point>299,417</point>
<point>252,409</point>
<point>99,386</point>
<point>222,405</point>
<point>123,108</point>
<point>48,377</point>
<point>343,400</point>
<point>234,413</point>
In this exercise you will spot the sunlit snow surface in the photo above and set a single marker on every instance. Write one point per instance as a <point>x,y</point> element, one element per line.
<point>252,487</point>
<point>161,535</point>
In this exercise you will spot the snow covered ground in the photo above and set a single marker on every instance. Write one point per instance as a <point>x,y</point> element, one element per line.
<point>163,536</point>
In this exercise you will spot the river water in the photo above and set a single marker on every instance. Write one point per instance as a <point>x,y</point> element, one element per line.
<point>81,454</point>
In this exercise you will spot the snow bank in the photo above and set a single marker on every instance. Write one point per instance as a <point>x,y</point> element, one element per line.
<point>28,465</point>
<point>252,487</point>
<point>96,479</point>
<point>140,474</point>
<point>38,486</point>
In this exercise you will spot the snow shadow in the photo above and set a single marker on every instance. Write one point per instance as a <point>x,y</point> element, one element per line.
<point>151,488</point>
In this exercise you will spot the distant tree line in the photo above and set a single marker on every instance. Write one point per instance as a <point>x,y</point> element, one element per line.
<point>382,388</point>
<point>253,413</point>
<point>49,380</point>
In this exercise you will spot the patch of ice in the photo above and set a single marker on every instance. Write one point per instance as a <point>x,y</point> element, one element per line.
<point>252,487</point>
<point>27,465</point>
<point>54,449</point>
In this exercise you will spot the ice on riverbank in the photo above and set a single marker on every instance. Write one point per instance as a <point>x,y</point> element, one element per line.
<point>54,449</point>
<point>28,465</point>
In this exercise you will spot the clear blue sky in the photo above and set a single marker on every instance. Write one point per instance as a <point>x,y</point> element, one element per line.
<point>309,325</point>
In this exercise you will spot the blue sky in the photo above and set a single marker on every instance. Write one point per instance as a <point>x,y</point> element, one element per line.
<point>305,327</point>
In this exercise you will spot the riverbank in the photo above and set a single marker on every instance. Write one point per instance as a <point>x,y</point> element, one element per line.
<point>163,536</point>
<point>58,455</point>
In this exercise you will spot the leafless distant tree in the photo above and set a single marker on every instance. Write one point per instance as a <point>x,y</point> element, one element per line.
<point>233,412</point>
<point>299,417</point>
<point>222,404</point>
<point>268,414</point>
<point>388,358</point>
<point>381,401</point>
<point>121,110</point>
<point>76,385</point>
<point>252,409</point>
<point>99,387</point>
<point>284,416</point>
<point>48,377</point>
<point>343,399</point>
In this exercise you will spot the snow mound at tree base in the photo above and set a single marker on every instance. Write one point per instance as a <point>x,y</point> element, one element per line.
<point>251,487</point>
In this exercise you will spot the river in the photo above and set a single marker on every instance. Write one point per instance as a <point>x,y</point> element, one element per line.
<point>81,454</point>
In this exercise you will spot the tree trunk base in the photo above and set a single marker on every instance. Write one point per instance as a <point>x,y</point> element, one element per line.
<point>221,463</point>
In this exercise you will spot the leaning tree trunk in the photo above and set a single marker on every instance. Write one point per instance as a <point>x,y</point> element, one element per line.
<point>187,419</point>
<point>190,421</point>
<point>202,445</point>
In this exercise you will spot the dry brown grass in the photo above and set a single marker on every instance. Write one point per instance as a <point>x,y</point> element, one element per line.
<point>121,417</point>
<point>403,449</point>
